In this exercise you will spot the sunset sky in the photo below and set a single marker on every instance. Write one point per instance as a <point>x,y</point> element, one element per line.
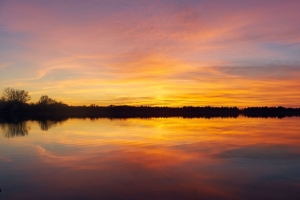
<point>158,52</point>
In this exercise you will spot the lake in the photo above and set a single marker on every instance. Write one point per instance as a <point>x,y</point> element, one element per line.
<point>155,158</point>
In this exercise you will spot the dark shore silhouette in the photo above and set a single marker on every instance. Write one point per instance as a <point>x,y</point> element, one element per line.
<point>61,111</point>
<point>14,122</point>
<point>15,112</point>
<point>14,102</point>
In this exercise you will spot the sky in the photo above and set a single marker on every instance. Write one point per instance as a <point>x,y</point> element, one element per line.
<point>155,53</point>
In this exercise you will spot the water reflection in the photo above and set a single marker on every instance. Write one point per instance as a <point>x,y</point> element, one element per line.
<point>158,158</point>
<point>261,152</point>
<point>17,125</point>
<point>11,130</point>
<point>45,125</point>
<point>15,128</point>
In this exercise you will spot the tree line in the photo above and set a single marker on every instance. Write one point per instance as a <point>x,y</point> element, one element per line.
<point>16,101</point>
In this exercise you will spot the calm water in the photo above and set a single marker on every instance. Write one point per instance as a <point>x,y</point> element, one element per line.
<point>162,158</point>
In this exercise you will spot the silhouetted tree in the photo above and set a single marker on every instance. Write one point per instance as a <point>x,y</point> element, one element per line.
<point>2,103</point>
<point>15,95</point>
<point>45,100</point>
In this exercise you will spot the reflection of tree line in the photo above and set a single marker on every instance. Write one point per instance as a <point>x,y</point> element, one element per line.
<point>11,130</point>
<point>47,124</point>
<point>17,125</point>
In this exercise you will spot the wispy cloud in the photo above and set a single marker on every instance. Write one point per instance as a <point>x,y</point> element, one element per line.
<point>5,65</point>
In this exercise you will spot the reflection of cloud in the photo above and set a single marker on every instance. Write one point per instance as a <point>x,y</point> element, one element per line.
<point>6,159</point>
<point>145,157</point>
<point>268,152</point>
<point>145,168</point>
